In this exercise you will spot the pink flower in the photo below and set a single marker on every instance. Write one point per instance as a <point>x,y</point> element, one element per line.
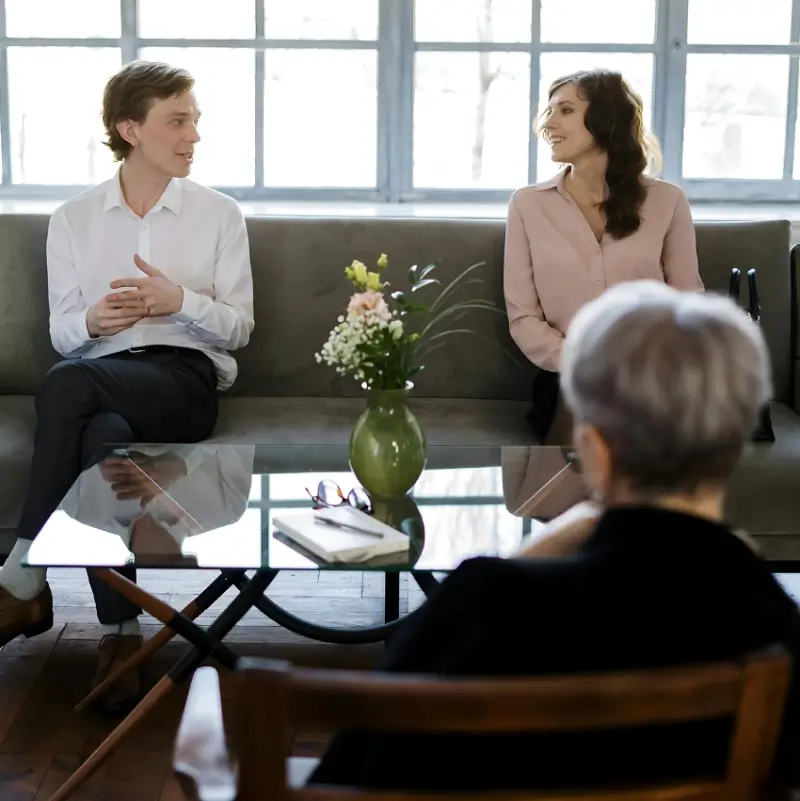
<point>369,301</point>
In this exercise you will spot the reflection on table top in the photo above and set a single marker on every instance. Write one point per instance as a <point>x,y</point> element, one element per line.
<point>211,506</point>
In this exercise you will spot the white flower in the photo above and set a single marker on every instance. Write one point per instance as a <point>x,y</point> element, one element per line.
<point>343,347</point>
<point>396,329</point>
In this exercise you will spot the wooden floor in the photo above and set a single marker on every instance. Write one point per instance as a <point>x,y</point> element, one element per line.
<point>42,740</point>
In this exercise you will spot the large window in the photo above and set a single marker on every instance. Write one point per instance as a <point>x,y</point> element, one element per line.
<point>398,100</point>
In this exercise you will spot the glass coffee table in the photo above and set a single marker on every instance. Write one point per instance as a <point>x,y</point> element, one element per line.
<point>211,507</point>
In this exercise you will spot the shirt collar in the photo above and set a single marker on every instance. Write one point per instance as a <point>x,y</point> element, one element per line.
<point>172,197</point>
<point>556,182</point>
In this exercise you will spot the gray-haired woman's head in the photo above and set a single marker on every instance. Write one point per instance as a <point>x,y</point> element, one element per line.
<point>672,382</point>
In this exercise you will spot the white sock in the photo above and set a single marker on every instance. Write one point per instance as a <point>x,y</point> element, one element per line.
<point>126,627</point>
<point>24,583</point>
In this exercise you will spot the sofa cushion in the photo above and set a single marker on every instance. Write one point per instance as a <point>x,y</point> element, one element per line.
<point>17,423</point>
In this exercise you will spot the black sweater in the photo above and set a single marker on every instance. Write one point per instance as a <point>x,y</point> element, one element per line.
<point>649,588</point>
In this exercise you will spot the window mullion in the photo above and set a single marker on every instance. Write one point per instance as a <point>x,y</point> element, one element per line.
<point>535,78</point>
<point>389,82</point>
<point>402,101</point>
<point>672,53</point>
<point>5,114</point>
<point>791,105</point>
<point>260,92</point>
<point>129,30</point>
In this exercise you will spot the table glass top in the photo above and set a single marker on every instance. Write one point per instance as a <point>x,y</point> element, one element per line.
<point>212,506</point>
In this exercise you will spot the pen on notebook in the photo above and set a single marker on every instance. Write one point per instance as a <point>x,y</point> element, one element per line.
<point>336,524</point>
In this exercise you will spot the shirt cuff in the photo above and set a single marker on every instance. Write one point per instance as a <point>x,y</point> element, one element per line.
<point>190,309</point>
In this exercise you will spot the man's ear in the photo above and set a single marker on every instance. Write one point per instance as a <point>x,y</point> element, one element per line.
<point>128,130</point>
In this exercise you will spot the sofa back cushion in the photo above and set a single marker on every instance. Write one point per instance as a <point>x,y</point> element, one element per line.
<point>300,289</point>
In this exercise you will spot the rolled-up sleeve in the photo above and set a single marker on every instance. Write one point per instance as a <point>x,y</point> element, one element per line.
<point>539,341</point>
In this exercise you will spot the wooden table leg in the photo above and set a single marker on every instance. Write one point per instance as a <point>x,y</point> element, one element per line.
<point>191,611</point>
<point>204,642</point>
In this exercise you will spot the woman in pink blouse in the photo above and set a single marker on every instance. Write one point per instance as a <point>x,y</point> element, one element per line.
<point>600,222</point>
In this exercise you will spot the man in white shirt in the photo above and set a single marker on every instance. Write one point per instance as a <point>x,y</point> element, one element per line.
<point>150,287</point>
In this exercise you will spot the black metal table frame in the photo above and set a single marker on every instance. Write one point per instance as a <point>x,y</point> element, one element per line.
<point>208,642</point>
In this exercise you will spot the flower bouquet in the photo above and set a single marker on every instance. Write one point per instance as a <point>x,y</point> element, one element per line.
<point>382,340</point>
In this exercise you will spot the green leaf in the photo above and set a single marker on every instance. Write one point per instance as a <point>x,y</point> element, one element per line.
<point>454,284</point>
<point>415,275</point>
<point>464,306</point>
<point>425,282</point>
<point>424,352</point>
<point>399,297</point>
<point>427,270</point>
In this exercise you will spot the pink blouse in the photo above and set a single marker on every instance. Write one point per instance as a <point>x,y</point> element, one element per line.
<point>554,264</point>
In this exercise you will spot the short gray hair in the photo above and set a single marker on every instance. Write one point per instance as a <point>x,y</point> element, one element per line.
<point>674,381</point>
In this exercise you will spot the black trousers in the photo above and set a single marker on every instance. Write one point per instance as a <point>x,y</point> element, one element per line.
<point>545,395</point>
<point>87,406</point>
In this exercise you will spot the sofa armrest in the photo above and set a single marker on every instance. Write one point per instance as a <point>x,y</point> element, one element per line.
<point>794,400</point>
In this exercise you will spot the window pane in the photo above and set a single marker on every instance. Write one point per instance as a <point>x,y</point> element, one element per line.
<point>474,21</point>
<point>225,89</point>
<point>460,483</point>
<point>321,118</point>
<point>55,96</point>
<point>471,120</point>
<point>197,19</point>
<point>636,68</point>
<point>321,19</point>
<point>739,21</point>
<point>735,125</point>
<point>57,18</point>
<point>613,21</point>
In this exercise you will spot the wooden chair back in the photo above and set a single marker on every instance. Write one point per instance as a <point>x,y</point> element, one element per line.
<point>276,700</point>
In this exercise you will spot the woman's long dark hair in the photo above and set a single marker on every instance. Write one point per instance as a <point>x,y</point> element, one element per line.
<point>614,119</point>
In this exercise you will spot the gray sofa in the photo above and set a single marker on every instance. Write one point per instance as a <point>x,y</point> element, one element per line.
<point>470,393</point>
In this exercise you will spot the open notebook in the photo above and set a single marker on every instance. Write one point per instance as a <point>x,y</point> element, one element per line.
<point>339,543</point>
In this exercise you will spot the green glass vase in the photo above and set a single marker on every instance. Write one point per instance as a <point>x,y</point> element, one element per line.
<point>387,447</point>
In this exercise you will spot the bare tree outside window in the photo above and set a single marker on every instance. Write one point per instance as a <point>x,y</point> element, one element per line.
<point>488,73</point>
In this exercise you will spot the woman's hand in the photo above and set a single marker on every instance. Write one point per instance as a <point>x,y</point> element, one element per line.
<point>564,534</point>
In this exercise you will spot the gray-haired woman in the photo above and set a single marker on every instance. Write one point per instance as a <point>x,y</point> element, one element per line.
<point>665,388</point>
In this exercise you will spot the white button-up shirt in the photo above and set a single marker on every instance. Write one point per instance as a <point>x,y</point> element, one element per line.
<point>194,235</point>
